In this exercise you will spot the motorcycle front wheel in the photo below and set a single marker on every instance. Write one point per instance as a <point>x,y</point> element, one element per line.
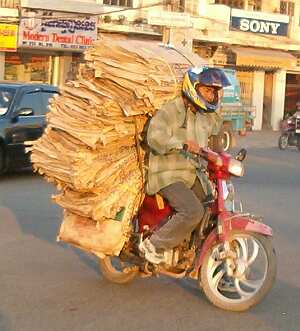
<point>283,141</point>
<point>116,271</point>
<point>254,272</point>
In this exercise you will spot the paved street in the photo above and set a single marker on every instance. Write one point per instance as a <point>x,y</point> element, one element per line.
<point>45,285</point>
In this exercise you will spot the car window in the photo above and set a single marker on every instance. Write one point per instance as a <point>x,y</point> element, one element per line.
<point>32,100</point>
<point>46,96</point>
<point>6,96</point>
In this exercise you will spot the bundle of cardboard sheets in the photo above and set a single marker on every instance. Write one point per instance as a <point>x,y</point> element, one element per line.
<point>89,149</point>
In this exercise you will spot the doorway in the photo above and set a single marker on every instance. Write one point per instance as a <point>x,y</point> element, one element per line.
<point>292,93</point>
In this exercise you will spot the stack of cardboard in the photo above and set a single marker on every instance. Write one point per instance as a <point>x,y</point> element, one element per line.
<point>89,148</point>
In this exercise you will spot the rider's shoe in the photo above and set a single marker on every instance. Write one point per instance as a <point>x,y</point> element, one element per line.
<point>151,254</point>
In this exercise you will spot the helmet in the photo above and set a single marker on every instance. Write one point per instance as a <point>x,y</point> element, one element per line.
<point>211,77</point>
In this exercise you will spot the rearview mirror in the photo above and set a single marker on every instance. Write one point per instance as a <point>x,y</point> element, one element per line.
<point>241,155</point>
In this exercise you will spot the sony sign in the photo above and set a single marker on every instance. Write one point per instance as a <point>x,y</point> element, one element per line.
<point>258,22</point>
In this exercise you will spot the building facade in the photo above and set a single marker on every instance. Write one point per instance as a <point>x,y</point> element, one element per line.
<point>50,37</point>
<point>260,39</point>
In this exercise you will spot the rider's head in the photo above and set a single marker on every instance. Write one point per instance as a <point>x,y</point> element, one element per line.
<point>203,88</point>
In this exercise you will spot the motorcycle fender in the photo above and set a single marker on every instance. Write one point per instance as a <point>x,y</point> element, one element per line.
<point>236,224</point>
<point>247,224</point>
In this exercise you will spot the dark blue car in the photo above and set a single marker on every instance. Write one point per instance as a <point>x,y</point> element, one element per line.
<point>22,118</point>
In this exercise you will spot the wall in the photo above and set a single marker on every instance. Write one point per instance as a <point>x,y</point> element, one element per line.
<point>295,27</point>
<point>258,98</point>
<point>213,25</point>
<point>278,98</point>
<point>267,105</point>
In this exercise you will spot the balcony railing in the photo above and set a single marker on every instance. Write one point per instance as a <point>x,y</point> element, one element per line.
<point>9,3</point>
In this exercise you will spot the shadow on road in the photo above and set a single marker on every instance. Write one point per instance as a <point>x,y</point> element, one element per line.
<point>5,324</point>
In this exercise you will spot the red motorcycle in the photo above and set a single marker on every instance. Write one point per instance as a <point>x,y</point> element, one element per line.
<point>230,253</point>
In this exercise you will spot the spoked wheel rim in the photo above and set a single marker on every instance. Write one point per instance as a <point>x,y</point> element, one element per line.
<point>250,270</point>
<point>118,267</point>
<point>117,271</point>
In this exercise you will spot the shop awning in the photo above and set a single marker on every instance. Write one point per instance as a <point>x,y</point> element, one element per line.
<point>263,58</point>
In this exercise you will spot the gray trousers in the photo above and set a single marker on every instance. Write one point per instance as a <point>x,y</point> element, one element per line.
<point>189,210</point>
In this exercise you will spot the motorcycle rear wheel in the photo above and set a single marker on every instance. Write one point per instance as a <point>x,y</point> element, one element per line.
<point>114,270</point>
<point>283,142</point>
<point>239,292</point>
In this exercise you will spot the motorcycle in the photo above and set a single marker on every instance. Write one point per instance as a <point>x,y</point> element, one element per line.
<point>290,132</point>
<point>230,253</point>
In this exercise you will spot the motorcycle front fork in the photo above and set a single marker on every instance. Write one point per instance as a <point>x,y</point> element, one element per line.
<point>228,255</point>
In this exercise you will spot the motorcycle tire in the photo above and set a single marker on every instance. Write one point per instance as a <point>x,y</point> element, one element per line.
<point>242,293</point>
<point>283,142</point>
<point>117,275</point>
<point>226,139</point>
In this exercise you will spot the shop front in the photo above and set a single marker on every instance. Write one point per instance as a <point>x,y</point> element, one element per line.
<point>264,72</point>
<point>292,93</point>
<point>8,43</point>
<point>49,49</point>
<point>262,77</point>
<point>41,66</point>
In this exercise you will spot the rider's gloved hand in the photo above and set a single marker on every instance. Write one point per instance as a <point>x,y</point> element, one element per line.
<point>192,147</point>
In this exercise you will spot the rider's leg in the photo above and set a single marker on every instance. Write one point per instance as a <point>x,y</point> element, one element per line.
<point>188,213</point>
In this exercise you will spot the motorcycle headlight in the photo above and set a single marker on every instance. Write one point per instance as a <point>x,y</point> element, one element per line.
<point>236,168</point>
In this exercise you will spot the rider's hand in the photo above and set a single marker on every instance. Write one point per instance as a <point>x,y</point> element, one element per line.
<point>192,147</point>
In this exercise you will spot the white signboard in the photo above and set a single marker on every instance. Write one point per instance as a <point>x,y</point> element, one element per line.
<point>166,18</point>
<point>259,22</point>
<point>57,33</point>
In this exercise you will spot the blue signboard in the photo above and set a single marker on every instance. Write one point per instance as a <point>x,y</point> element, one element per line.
<point>259,22</point>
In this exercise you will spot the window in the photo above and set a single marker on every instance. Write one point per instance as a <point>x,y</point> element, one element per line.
<point>240,4</point>
<point>32,100</point>
<point>27,67</point>
<point>231,3</point>
<point>46,96</point>
<point>119,3</point>
<point>174,5</point>
<point>257,5</point>
<point>287,8</point>
<point>6,97</point>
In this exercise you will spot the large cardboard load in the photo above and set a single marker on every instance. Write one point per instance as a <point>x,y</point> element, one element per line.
<point>90,148</point>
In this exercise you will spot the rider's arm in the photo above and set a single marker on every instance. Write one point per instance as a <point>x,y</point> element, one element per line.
<point>216,139</point>
<point>164,133</point>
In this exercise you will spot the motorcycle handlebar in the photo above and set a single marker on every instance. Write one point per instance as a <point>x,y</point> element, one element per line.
<point>205,153</point>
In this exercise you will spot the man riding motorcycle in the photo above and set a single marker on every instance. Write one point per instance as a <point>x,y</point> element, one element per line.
<point>192,117</point>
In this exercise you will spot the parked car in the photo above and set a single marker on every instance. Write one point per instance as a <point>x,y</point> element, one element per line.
<point>22,118</point>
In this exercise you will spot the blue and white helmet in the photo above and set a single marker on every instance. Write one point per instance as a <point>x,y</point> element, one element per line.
<point>212,77</point>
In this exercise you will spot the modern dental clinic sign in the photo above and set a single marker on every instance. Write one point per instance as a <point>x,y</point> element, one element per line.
<point>56,30</point>
<point>258,22</point>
